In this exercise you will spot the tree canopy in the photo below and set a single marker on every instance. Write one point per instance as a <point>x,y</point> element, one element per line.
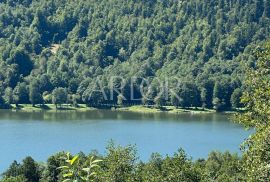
<point>120,164</point>
<point>72,44</point>
<point>256,99</point>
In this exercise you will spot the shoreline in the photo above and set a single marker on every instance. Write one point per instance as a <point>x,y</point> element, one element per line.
<point>135,109</point>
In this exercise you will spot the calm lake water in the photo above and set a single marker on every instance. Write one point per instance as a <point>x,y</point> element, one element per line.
<point>42,134</point>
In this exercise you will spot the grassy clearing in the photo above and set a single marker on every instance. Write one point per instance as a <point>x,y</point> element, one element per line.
<point>51,107</point>
<point>169,109</point>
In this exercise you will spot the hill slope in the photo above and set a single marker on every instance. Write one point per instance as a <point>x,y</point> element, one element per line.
<point>49,44</point>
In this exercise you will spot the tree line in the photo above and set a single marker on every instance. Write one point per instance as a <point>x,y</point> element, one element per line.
<point>121,164</point>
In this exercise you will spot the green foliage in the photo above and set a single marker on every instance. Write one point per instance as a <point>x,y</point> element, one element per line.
<point>159,101</point>
<point>120,164</point>
<point>34,93</point>
<point>175,98</point>
<point>46,45</point>
<point>15,179</point>
<point>218,104</point>
<point>13,170</point>
<point>28,171</point>
<point>89,169</point>
<point>8,96</point>
<point>267,8</point>
<point>52,173</point>
<point>2,102</point>
<point>20,94</point>
<point>236,98</point>
<point>190,94</point>
<point>22,60</point>
<point>256,100</point>
<point>72,170</point>
<point>204,97</point>
<point>176,168</point>
<point>59,96</point>
<point>222,167</point>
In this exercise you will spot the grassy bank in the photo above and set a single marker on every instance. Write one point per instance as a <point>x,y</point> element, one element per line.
<point>51,107</point>
<point>137,108</point>
<point>168,109</point>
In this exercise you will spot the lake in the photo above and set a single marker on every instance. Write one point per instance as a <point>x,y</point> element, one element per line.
<point>41,134</point>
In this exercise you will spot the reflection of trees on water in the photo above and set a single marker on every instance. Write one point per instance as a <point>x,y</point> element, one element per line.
<point>65,116</point>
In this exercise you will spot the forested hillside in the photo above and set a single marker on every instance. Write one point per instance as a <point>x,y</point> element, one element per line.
<point>121,164</point>
<point>56,46</point>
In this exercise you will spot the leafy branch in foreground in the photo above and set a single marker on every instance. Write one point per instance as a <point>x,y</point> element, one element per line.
<point>89,170</point>
<point>257,101</point>
<point>73,171</point>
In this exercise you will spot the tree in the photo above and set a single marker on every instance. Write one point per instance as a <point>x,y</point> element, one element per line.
<point>148,96</point>
<point>190,94</point>
<point>267,8</point>
<point>30,170</point>
<point>59,96</point>
<point>222,92</point>
<point>16,97</point>
<point>45,84</point>
<point>236,98</point>
<point>218,104</point>
<point>13,170</point>
<point>21,94</point>
<point>160,101</point>
<point>176,100</point>
<point>2,103</point>
<point>47,97</point>
<point>120,163</point>
<point>15,179</point>
<point>221,4</point>
<point>218,91</point>
<point>256,100</point>
<point>120,99</point>
<point>74,99</point>
<point>177,168</point>
<point>73,85</point>
<point>22,59</point>
<point>52,172</point>
<point>203,97</point>
<point>34,93</point>
<point>259,9</point>
<point>222,167</point>
<point>8,96</point>
<point>95,94</point>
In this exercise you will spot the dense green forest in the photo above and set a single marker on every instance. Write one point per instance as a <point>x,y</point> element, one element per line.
<point>121,164</point>
<point>61,51</point>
